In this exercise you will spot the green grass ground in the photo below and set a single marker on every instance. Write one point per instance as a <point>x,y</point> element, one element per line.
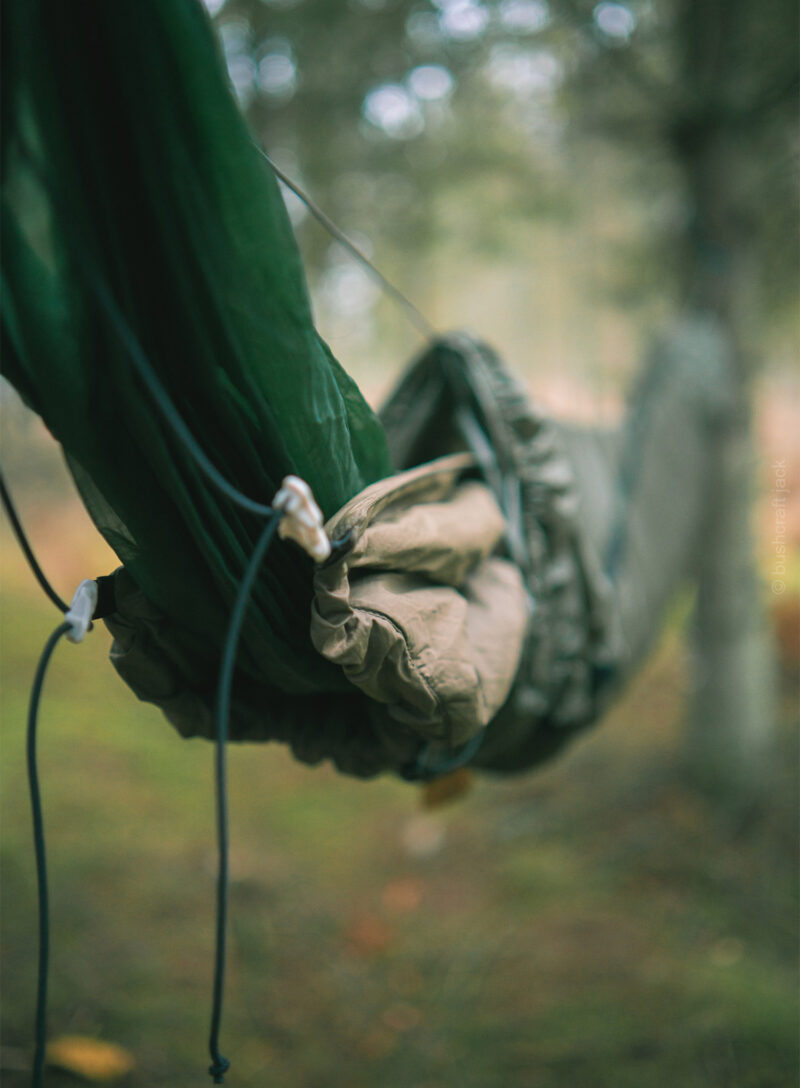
<point>597,925</point>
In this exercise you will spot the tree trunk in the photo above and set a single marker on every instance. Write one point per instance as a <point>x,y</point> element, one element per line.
<point>732,715</point>
<point>732,711</point>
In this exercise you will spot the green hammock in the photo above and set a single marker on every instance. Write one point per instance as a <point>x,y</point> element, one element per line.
<point>139,219</point>
<point>130,183</point>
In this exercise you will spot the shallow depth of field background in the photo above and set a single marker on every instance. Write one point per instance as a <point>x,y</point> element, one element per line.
<point>600,924</point>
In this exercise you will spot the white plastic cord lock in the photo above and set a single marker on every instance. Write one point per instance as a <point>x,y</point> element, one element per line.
<point>80,612</point>
<point>302,520</point>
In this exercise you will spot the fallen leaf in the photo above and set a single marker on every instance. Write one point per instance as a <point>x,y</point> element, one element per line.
<point>368,935</point>
<point>92,1059</point>
<point>402,896</point>
<point>401,1017</point>
<point>446,788</point>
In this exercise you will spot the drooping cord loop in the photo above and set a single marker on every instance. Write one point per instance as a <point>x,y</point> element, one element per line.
<point>296,505</point>
<point>77,622</point>
<point>219,1064</point>
<point>27,551</point>
<point>273,515</point>
<point>39,847</point>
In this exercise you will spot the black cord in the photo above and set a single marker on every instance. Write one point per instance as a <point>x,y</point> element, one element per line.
<point>40,1022</point>
<point>219,1064</point>
<point>137,356</point>
<point>164,403</point>
<point>40,1030</point>
<point>19,532</point>
<point>175,421</point>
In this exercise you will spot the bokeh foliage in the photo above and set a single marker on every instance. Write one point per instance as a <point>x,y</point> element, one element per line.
<point>539,109</point>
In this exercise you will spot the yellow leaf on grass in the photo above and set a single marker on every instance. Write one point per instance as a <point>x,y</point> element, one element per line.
<point>92,1059</point>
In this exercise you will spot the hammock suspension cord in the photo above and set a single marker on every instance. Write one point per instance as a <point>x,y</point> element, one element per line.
<point>412,312</point>
<point>22,540</point>
<point>40,854</point>
<point>39,845</point>
<point>219,1064</point>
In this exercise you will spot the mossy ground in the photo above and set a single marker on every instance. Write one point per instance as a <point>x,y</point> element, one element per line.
<point>596,925</point>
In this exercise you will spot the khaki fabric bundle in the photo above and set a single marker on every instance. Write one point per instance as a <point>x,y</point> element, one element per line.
<point>415,606</point>
<point>461,607</point>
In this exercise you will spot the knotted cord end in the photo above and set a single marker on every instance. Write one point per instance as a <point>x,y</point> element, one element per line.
<point>219,1068</point>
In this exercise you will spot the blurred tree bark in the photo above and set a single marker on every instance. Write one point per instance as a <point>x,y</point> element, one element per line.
<point>738,75</point>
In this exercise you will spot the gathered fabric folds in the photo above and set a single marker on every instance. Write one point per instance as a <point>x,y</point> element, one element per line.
<point>416,609</point>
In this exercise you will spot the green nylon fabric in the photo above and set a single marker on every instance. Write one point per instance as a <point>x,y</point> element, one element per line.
<point>126,162</point>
